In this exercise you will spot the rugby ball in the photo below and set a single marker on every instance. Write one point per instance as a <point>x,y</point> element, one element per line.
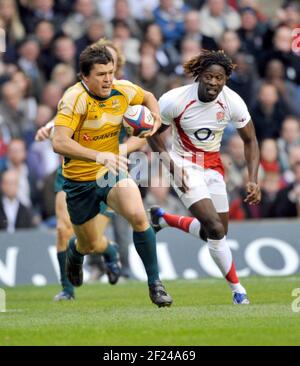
<point>138,120</point>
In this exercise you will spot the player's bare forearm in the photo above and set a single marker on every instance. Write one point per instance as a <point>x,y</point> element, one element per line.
<point>133,144</point>
<point>252,159</point>
<point>151,102</point>
<point>251,150</point>
<point>63,144</point>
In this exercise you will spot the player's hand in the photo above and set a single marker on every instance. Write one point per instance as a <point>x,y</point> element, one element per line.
<point>156,125</point>
<point>253,193</point>
<point>43,133</point>
<point>114,163</point>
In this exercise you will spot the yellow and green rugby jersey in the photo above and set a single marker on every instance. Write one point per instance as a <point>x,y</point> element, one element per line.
<point>96,123</point>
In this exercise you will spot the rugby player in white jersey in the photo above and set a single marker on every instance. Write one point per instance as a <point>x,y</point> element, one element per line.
<point>198,114</point>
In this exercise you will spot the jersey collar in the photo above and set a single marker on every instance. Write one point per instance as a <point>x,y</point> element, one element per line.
<point>113,92</point>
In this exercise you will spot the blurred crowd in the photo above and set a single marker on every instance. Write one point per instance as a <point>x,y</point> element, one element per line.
<point>45,37</point>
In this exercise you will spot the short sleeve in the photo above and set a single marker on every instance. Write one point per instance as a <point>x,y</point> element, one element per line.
<point>165,107</point>
<point>70,109</point>
<point>240,115</point>
<point>133,93</point>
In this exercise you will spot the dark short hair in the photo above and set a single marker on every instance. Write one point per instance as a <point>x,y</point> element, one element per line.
<point>197,65</point>
<point>92,55</point>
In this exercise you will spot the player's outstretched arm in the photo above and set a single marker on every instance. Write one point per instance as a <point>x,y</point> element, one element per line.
<point>45,132</point>
<point>252,157</point>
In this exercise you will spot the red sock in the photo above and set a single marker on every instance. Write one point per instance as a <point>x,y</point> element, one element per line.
<point>181,222</point>
<point>231,275</point>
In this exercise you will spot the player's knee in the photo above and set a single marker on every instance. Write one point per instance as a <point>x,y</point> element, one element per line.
<point>93,246</point>
<point>139,221</point>
<point>64,233</point>
<point>214,229</point>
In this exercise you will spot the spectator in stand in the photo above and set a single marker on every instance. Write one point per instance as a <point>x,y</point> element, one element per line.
<point>269,156</point>
<point>130,44</point>
<point>13,214</point>
<point>52,94</point>
<point>195,4</point>
<point>288,14</point>
<point>236,163</point>
<point>65,51</point>
<point>230,43</point>
<point>41,10</point>
<point>123,12</point>
<point>13,27</point>
<point>193,29</point>
<point>270,185</point>
<point>75,26</point>
<point>96,29</point>
<point>268,112</point>
<point>29,104</point>
<point>149,77</point>
<point>140,9</point>
<point>281,49</point>
<point>17,159</point>
<point>170,19</point>
<point>289,137</point>
<point>166,55</point>
<point>287,91</point>
<point>287,202</point>
<point>44,31</point>
<point>63,75</point>
<point>293,157</point>
<point>244,77</point>
<point>29,51</point>
<point>251,31</point>
<point>216,17</point>
<point>15,112</point>
<point>188,48</point>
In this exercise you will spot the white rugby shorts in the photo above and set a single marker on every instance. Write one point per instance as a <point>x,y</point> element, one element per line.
<point>202,183</point>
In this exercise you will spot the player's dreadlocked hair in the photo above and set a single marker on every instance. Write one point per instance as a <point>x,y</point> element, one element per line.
<point>195,66</point>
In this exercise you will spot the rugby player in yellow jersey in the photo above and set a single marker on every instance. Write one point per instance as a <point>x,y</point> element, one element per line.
<point>87,126</point>
<point>64,229</point>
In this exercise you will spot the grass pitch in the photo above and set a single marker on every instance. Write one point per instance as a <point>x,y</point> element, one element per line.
<point>202,314</point>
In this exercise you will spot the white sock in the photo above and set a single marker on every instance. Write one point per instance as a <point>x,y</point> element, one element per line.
<point>221,254</point>
<point>194,228</point>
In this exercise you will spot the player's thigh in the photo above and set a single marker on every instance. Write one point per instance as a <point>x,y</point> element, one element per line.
<point>217,189</point>
<point>104,221</point>
<point>64,227</point>
<point>126,200</point>
<point>90,234</point>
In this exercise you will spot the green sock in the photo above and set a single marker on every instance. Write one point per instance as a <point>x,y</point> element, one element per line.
<point>110,254</point>
<point>66,284</point>
<point>75,256</point>
<point>145,245</point>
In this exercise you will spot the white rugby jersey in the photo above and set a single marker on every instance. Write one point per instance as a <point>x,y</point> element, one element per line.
<point>199,126</point>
